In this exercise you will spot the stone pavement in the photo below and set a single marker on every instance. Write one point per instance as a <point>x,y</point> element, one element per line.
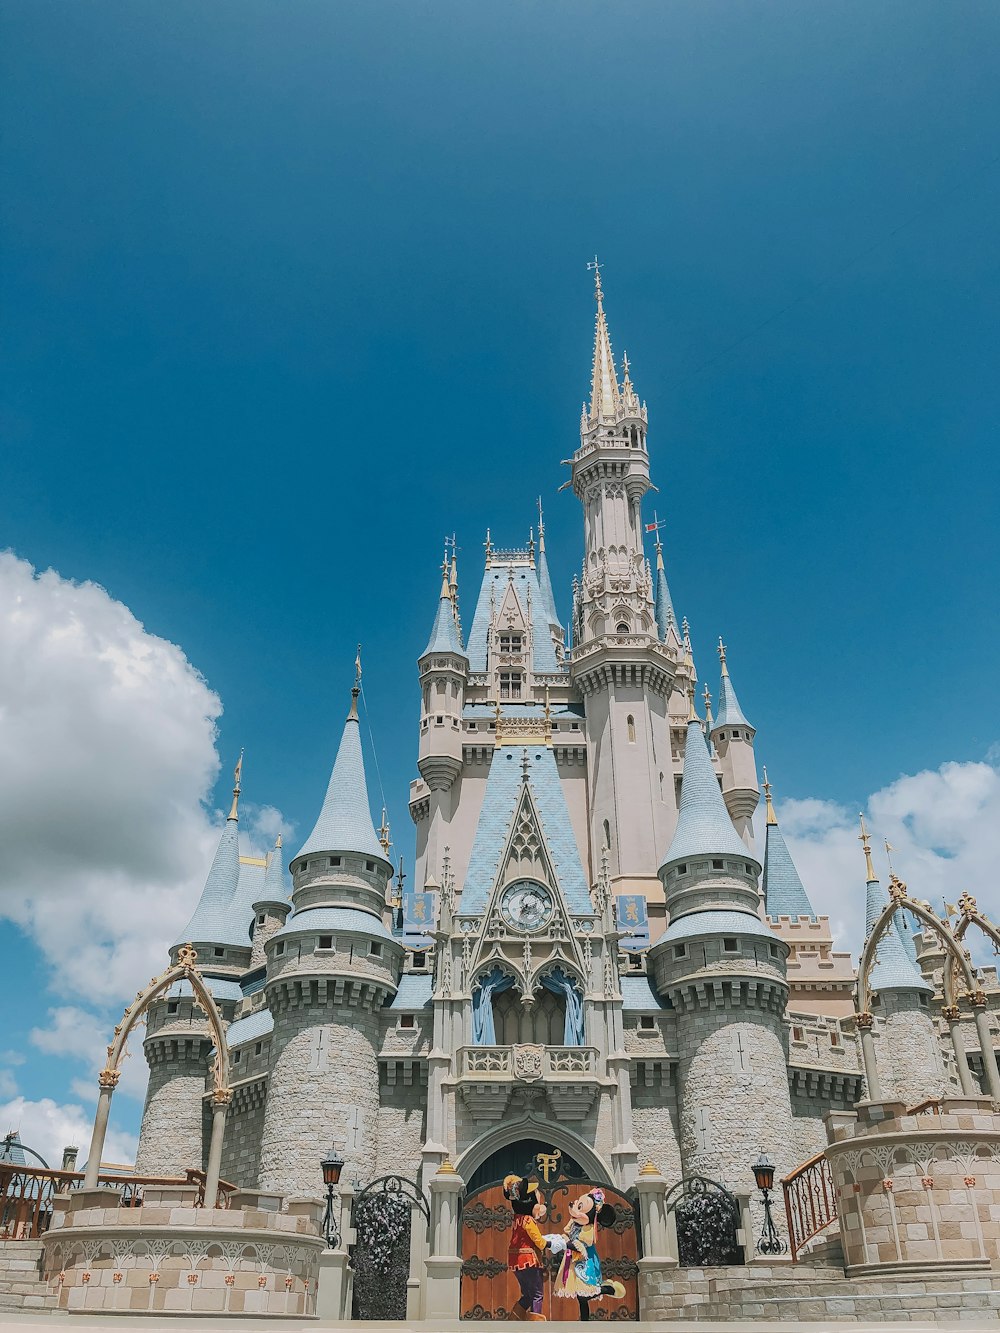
<point>979,1322</point>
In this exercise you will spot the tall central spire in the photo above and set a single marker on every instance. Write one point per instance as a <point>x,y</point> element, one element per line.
<point>605,396</point>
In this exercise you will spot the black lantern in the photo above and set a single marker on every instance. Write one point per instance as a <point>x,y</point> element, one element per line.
<point>331,1166</point>
<point>763,1173</point>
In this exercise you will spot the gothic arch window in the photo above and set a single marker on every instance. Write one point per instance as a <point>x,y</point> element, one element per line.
<point>630,723</point>
<point>621,627</point>
<point>661,786</point>
<point>607,835</point>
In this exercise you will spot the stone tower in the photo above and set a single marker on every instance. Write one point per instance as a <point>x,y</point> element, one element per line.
<point>723,971</point>
<point>732,736</point>
<point>330,969</point>
<point>620,665</point>
<point>908,1049</point>
<point>177,1043</point>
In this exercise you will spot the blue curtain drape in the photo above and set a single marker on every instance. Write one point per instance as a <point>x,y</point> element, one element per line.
<point>560,984</point>
<point>484,1031</point>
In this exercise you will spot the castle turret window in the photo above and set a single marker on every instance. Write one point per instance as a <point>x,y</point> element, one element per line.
<point>647,1022</point>
<point>219,953</point>
<point>716,865</point>
<point>730,946</point>
<point>326,942</point>
<point>406,1021</point>
<point>630,723</point>
<point>375,949</point>
<point>173,1006</point>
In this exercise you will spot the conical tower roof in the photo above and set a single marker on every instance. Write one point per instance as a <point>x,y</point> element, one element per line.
<point>703,824</point>
<point>544,580</point>
<point>273,889</point>
<point>605,396</point>
<point>214,922</point>
<point>893,969</point>
<point>730,713</point>
<point>345,821</point>
<point>445,637</point>
<point>784,893</point>
<point>663,605</point>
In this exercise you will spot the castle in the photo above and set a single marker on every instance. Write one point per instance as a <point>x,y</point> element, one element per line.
<point>596,959</point>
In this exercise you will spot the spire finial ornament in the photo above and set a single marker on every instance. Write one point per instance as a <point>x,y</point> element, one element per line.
<point>234,813</point>
<point>772,818</point>
<point>355,688</point>
<point>707,699</point>
<point>541,528</point>
<point>488,546</point>
<point>383,834</point>
<point>525,765</point>
<point>692,711</point>
<point>277,843</point>
<point>865,841</point>
<point>722,656</point>
<point>605,396</point>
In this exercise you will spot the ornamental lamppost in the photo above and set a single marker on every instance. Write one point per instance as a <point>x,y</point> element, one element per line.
<point>331,1166</point>
<point>763,1173</point>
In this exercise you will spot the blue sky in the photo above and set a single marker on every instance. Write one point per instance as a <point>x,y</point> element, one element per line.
<point>290,291</point>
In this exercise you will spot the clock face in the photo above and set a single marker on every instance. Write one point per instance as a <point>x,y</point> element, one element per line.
<point>526,905</point>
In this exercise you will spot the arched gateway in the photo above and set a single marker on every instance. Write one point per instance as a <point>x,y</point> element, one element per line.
<point>488,1287</point>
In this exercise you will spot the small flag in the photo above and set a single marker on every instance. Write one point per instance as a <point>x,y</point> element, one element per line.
<point>632,920</point>
<point>651,527</point>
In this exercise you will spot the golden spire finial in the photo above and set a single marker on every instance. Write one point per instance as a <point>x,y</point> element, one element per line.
<point>865,841</point>
<point>722,656</point>
<point>383,835</point>
<point>772,818</point>
<point>237,774</point>
<point>889,849</point>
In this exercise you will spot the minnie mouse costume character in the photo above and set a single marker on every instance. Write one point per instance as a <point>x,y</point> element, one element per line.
<point>580,1267</point>
<point>527,1244</point>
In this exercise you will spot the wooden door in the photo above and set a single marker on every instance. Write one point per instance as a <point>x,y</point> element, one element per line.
<point>489,1288</point>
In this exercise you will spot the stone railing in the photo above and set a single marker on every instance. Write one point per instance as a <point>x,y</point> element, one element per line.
<point>527,1062</point>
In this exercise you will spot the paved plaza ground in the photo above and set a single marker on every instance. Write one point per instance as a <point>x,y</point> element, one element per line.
<point>46,1323</point>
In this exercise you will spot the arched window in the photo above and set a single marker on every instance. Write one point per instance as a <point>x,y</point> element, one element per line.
<point>621,628</point>
<point>630,723</point>
<point>607,835</point>
<point>661,786</point>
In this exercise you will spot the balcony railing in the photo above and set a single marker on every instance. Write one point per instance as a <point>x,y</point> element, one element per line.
<point>27,1192</point>
<point>527,1062</point>
<point>810,1202</point>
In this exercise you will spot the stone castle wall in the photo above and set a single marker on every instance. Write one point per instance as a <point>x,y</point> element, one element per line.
<point>174,1120</point>
<point>323,1089</point>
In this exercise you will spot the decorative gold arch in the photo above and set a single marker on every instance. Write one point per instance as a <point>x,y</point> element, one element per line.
<point>959,964</point>
<point>182,970</point>
<point>971,916</point>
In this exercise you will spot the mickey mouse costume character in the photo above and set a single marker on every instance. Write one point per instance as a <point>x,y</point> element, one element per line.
<point>527,1244</point>
<point>580,1267</point>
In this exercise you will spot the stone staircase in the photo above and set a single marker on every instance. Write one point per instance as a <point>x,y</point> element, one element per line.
<point>21,1283</point>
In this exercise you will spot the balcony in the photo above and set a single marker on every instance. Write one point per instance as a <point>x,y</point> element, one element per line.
<point>487,1075</point>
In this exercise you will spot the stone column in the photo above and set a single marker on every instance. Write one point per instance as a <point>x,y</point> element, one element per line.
<point>872,1084</point>
<point>220,1105</point>
<point>986,1045</point>
<point>108,1081</point>
<point>951,1015</point>
<point>442,1293</point>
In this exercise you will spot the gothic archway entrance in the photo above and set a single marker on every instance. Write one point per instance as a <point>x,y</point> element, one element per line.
<point>488,1287</point>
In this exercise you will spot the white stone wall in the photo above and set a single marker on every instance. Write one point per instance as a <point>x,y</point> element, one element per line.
<point>244,1133</point>
<point>908,1050</point>
<point>401,1130</point>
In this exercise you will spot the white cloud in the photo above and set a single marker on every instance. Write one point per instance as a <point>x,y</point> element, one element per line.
<point>944,826</point>
<point>48,1127</point>
<point>8,1083</point>
<point>107,761</point>
<point>107,753</point>
<point>12,1057</point>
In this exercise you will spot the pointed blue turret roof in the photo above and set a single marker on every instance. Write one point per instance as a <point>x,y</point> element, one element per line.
<point>703,823</point>
<point>214,921</point>
<point>894,969</point>
<point>273,890</point>
<point>730,713</point>
<point>663,606</point>
<point>542,570</point>
<point>445,637</point>
<point>345,821</point>
<point>784,893</point>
